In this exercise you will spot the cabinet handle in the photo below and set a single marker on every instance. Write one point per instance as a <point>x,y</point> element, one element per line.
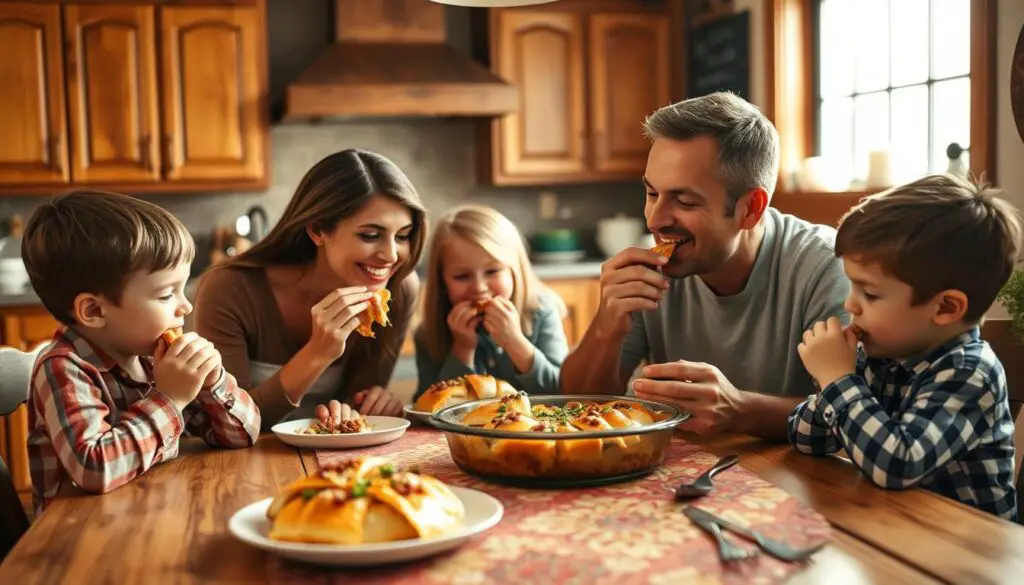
<point>56,145</point>
<point>145,143</point>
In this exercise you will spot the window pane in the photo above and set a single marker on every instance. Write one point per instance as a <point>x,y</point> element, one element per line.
<point>837,132</point>
<point>951,29</point>
<point>872,25</point>
<point>836,42</point>
<point>870,128</point>
<point>951,118</point>
<point>909,135</point>
<point>909,40</point>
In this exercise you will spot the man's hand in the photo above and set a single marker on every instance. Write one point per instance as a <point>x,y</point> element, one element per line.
<point>629,282</point>
<point>702,389</point>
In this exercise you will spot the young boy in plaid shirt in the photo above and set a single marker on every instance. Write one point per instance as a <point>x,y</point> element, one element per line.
<point>924,402</point>
<point>108,399</point>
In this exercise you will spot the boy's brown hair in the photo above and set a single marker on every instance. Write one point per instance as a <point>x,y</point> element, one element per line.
<point>85,241</point>
<point>937,233</point>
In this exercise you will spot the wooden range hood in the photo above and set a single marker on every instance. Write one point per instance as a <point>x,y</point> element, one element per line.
<point>391,58</point>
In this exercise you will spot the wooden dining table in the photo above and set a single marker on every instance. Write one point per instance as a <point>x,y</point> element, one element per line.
<point>170,525</point>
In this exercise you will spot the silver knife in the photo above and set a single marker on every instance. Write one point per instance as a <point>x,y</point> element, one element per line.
<point>777,549</point>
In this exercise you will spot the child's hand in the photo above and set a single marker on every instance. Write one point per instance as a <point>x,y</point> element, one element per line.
<point>829,351</point>
<point>216,372</point>
<point>501,320</point>
<point>335,412</point>
<point>182,369</point>
<point>463,321</point>
<point>377,400</point>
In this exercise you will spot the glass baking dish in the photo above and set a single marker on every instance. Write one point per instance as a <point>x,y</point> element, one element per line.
<point>560,459</point>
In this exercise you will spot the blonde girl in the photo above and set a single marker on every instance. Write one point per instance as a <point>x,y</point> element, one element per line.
<point>484,310</point>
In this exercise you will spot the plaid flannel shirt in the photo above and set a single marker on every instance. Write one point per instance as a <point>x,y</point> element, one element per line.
<point>90,422</point>
<point>940,421</point>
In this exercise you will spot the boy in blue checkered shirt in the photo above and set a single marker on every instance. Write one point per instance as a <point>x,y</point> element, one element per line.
<point>909,390</point>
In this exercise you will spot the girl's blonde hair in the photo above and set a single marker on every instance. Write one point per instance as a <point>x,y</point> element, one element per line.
<point>500,238</point>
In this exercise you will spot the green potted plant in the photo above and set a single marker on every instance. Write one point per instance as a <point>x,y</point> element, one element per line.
<point>1012,298</point>
<point>1007,336</point>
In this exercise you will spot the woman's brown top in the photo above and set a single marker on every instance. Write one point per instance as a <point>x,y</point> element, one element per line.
<point>236,310</point>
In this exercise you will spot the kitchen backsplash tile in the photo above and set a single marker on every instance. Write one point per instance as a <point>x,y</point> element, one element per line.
<point>438,154</point>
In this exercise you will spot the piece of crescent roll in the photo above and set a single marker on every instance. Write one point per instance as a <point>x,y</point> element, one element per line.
<point>665,248</point>
<point>482,386</point>
<point>377,312</point>
<point>443,394</point>
<point>485,413</point>
<point>576,452</point>
<point>522,456</point>
<point>634,410</point>
<point>380,507</point>
<point>594,422</point>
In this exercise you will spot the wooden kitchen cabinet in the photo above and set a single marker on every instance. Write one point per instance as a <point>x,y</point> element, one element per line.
<point>582,298</point>
<point>586,83</point>
<point>34,146</point>
<point>541,53</point>
<point>23,328</point>
<point>112,92</point>
<point>630,77</point>
<point>213,111</point>
<point>161,97</point>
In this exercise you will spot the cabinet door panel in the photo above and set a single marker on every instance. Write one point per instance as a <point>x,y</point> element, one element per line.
<point>630,77</point>
<point>112,93</point>
<point>542,54</point>
<point>214,85</point>
<point>34,146</point>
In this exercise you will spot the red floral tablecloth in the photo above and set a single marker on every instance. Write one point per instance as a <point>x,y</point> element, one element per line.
<point>623,534</point>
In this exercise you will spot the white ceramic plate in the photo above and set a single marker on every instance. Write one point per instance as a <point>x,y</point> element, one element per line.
<point>420,415</point>
<point>383,429</point>
<point>251,525</point>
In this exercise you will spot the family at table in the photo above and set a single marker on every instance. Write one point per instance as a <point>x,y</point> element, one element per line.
<point>862,340</point>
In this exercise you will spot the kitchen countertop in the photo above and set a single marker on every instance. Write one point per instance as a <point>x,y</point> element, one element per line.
<point>590,268</point>
<point>583,269</point>
<point>25,299</point>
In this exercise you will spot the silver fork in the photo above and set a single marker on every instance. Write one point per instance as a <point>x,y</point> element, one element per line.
<point>727,549</point>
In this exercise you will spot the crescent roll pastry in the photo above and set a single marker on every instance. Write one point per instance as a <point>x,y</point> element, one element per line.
<point>377,312</point>
<point>481,305</point>
<point>665,248</point>
<point>537,456</point>
<point>485,413</point>
<point>366,499</point>
<point>634,411</point>
<point>463,389</point>
<point>171,335</point>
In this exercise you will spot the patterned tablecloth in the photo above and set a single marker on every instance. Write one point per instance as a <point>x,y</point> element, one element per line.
<point>623,534</point>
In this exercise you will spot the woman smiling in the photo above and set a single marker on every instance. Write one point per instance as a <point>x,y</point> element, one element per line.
<point>282,313</point>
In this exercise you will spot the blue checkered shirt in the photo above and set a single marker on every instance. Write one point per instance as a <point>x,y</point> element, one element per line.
<point>939,421</point>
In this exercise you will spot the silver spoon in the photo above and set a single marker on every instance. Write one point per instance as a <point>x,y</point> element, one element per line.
<point>702,485</point>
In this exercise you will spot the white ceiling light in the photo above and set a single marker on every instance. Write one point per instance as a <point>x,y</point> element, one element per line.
<point>492,3</point>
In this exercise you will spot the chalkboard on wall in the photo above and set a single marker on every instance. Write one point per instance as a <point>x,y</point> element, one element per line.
<point>719,56</point>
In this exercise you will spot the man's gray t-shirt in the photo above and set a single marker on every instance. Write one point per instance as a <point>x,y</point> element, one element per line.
<point>751,336</point>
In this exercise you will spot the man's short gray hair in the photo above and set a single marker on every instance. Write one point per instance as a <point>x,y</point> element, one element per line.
<point>748,143</point>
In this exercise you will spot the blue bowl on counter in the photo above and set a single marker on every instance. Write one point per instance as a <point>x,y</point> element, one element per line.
<point>557,240</point>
